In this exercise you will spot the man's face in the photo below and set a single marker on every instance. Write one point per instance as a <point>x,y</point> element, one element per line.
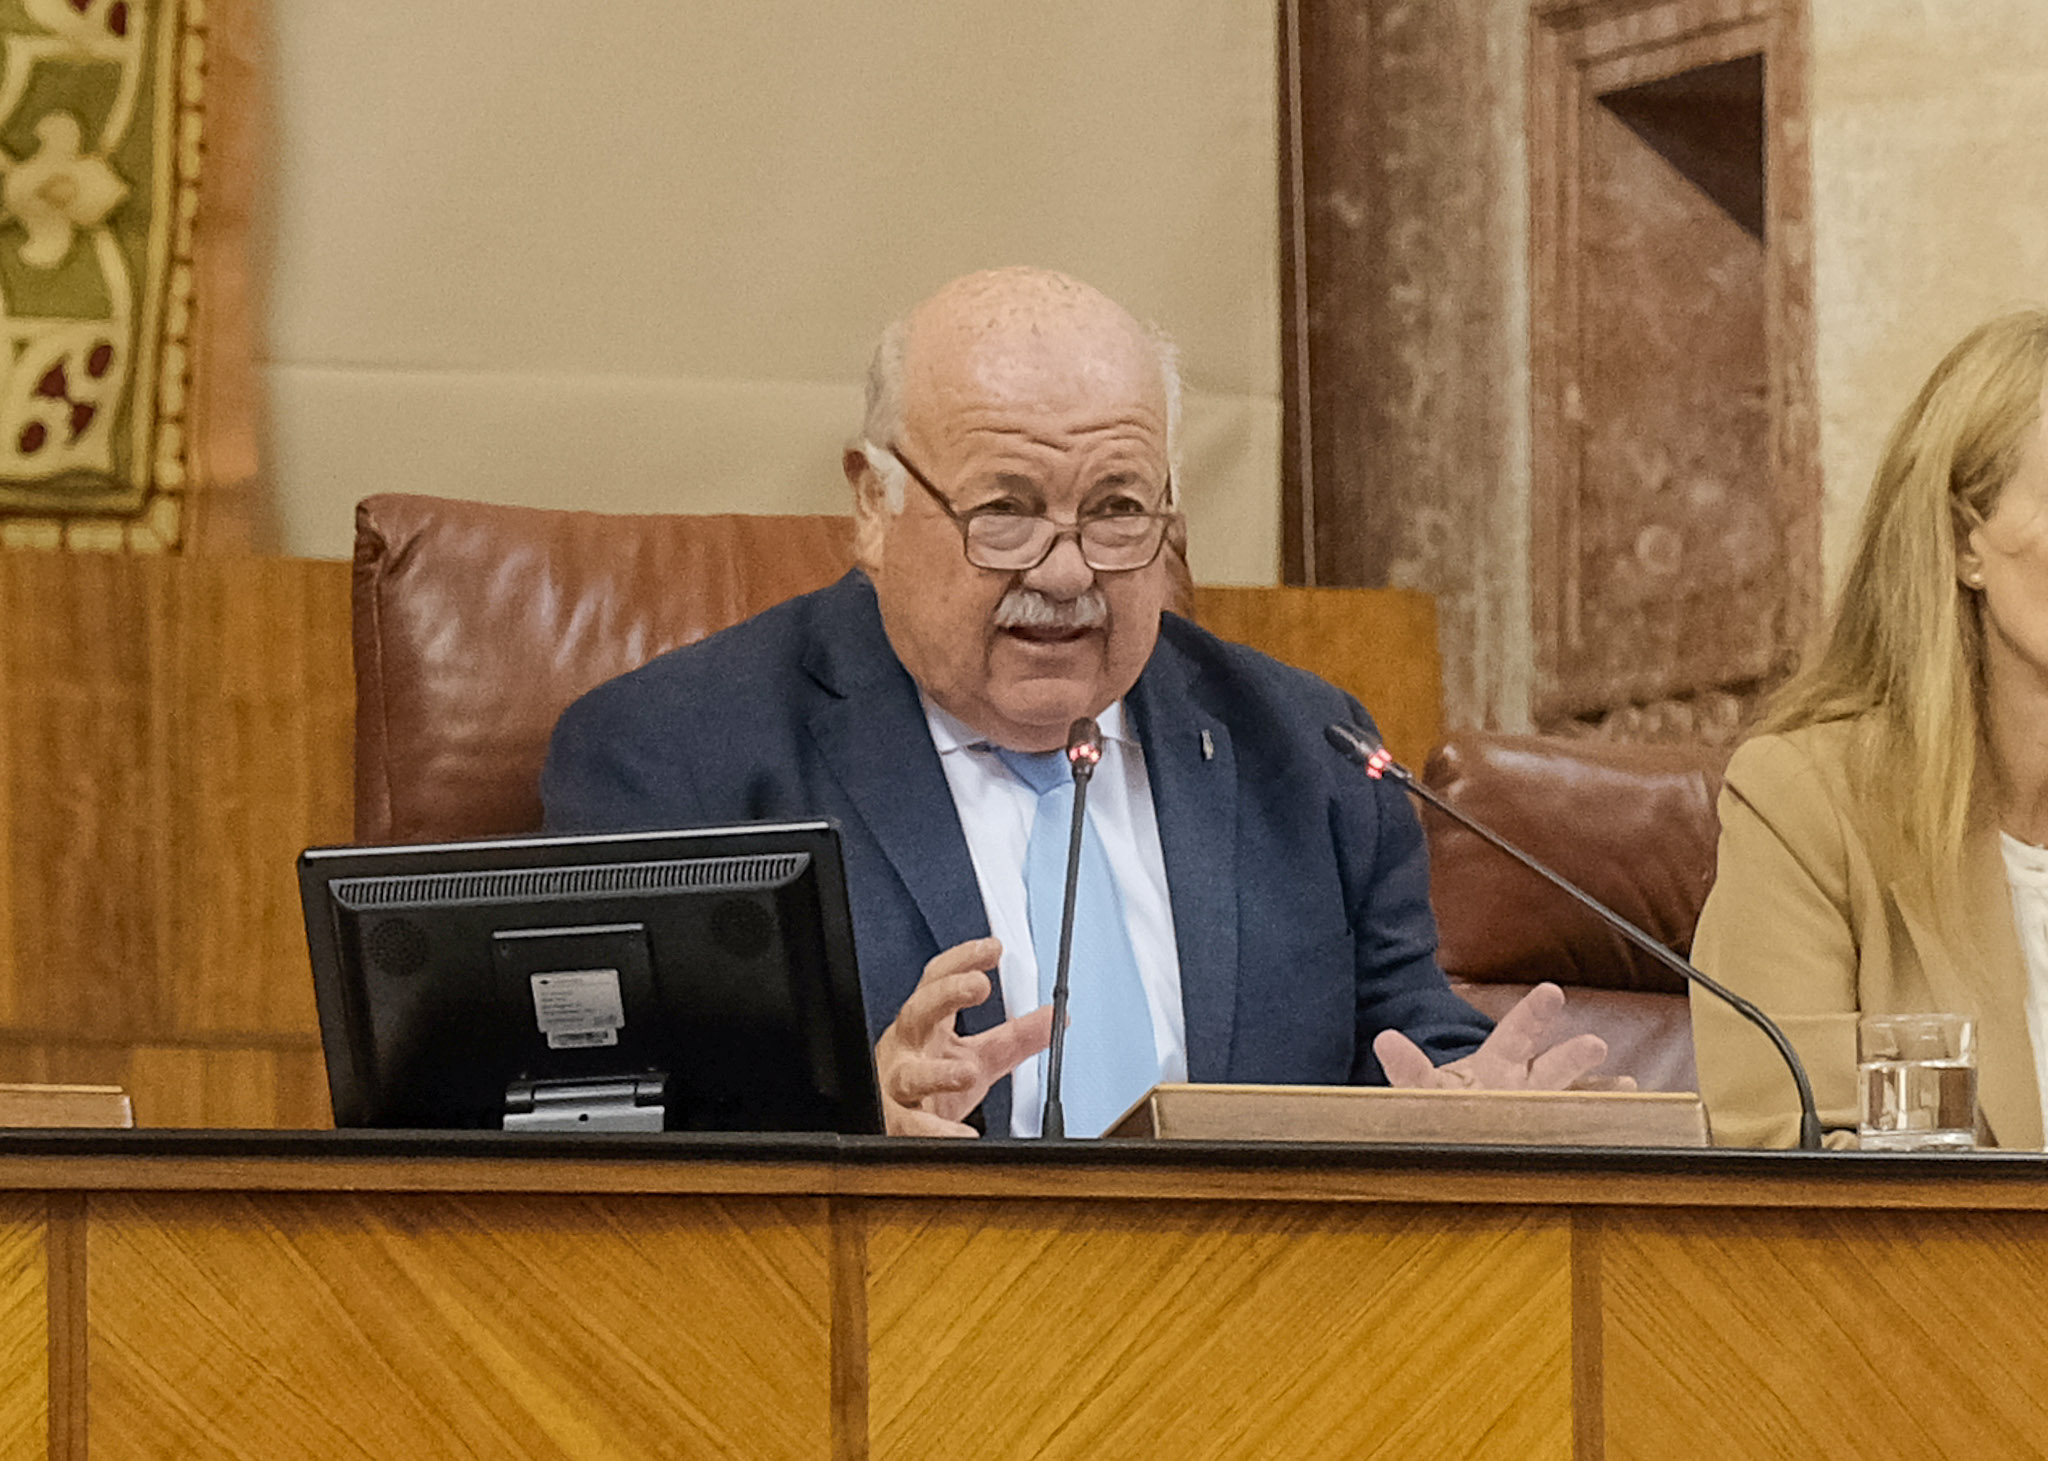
<point>1063,420</point>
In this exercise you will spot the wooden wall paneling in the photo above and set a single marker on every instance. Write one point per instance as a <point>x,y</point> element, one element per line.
<point>172,733</point>
<point>1379,644</point>
<point>63,1062</point>
<point>258,1085</point>
<point>432,1326</point>
<point>262,747</point>
<point>1675,494</point>
<point>1858,1333</point>
<point>24,1330</point>
<point>86,851</point>
<point>225,1087</point>
<point>1196,1330</point>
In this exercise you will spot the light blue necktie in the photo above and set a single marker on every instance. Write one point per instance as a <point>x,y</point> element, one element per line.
<point>1110,1057</point>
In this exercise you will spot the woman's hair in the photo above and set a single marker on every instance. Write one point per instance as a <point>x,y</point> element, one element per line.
<point>1903,654</point>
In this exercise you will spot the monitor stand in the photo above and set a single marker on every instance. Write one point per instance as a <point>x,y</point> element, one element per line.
<point>624,1103</point>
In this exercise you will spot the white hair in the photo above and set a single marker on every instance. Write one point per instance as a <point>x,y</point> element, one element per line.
<point>883,421</point>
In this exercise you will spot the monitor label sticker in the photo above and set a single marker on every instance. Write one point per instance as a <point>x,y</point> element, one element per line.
<point>578,1007</point>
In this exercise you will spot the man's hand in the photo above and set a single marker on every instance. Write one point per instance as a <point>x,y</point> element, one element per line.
<point>1515,1057</point>
<point>931,1075</point>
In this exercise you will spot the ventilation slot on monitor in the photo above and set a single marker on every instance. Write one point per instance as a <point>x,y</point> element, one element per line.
<point>525,885</point>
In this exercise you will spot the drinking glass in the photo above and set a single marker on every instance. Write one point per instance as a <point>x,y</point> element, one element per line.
<point>1917,1079</point>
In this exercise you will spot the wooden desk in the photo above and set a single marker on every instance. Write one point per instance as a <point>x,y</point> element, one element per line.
<point>290,1295</point>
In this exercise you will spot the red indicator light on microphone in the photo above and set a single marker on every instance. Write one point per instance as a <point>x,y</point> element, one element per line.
<point>1377,763</point>
<point>1084,752</point>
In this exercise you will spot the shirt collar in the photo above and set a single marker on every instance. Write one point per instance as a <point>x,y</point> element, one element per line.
<point>950,733</point>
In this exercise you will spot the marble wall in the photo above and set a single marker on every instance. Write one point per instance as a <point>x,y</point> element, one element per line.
<point>1416,233</point>
<point>1930,207</point>
<point>1927,211</point>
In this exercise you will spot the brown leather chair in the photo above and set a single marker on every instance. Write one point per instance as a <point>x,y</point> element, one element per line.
<point>1635,826</point>
<point>476,625</point>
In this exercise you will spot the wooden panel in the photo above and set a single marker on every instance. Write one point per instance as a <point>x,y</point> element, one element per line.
<point>259,768</point>
<point>24,1331</point>
<point>279,1085</point>
<point>191,1086</point>
<point>84,778</point>
<point>1218,1112</point>
<point>1866,1334</point>
<point>1058,1329</point>
<point>286,1327</point>
<point>172,732</point>
<point>1379,644</point>
<point>63,1061</point>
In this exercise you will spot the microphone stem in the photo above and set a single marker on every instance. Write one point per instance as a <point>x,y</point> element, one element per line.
<point>1055,1123</point>
<point>1809,1116</point>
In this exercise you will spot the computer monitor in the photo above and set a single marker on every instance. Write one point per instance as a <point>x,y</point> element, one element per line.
<point>684,980</point>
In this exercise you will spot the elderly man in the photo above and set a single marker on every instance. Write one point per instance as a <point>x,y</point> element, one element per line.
<point>1251,908</point>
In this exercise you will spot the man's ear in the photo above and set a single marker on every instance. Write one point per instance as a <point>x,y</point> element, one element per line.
<point>870,507</point>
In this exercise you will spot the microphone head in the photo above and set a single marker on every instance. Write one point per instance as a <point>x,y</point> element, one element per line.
<point>1084,745</point>
<point>1355,745</point>
<point>1347,742</point>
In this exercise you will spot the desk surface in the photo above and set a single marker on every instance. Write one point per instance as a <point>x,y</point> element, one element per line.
<point>829,1166</point>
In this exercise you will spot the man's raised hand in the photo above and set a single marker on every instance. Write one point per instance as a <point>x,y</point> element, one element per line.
<point>1517,1056</point>
<point>931,1075</point>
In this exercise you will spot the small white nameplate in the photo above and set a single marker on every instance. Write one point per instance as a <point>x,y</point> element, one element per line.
<point>578,1007</point>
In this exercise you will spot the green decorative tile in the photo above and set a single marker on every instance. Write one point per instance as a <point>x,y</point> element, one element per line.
<point>92,180</point>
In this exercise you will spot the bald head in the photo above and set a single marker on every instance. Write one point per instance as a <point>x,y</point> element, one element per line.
<point>1015,331</point>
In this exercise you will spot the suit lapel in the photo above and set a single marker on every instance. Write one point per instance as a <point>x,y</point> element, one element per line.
<point>1988,980</point>
<point>1193,772</point>
<point>871,731</point>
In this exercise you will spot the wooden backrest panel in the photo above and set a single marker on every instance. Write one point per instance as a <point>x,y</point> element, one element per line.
<point>1378,643</point>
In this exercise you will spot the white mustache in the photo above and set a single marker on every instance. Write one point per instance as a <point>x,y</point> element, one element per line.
<point>1027,608</point>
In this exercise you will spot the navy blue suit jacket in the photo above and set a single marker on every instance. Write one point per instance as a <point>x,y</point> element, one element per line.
<point>1299,887</point>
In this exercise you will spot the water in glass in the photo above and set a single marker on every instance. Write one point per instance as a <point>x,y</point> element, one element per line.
<point>1918,1105</point>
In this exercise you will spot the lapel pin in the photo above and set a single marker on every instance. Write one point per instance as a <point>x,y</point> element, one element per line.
<point>1208,747</point>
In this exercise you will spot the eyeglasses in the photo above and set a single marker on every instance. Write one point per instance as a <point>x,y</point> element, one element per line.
<point>997,537</point>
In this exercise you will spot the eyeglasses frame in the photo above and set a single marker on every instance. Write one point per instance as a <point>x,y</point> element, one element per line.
<point>961,520</point>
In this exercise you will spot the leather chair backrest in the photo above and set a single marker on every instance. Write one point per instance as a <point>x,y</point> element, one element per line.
<point>476,625</point>
<point>1633,825</point>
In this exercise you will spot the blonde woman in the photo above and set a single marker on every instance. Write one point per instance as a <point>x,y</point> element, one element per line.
<point>1882,839</point>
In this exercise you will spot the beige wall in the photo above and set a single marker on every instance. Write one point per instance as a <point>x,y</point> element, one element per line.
<point>631,254</point>
<point>1930,135</point>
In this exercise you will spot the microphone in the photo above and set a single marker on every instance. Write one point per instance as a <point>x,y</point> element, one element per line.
<point>1084,749</point>
<point>1356,746</point>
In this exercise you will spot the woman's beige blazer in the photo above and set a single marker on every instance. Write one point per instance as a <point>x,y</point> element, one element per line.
<point>1799,921</point>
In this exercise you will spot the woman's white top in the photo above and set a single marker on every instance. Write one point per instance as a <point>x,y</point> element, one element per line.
<point>2026,869</point>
